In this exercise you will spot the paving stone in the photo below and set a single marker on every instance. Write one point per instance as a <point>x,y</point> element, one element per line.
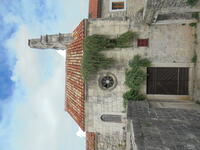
<point>164,128</point>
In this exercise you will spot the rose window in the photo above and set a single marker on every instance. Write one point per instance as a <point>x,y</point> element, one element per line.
<point>107,81</point>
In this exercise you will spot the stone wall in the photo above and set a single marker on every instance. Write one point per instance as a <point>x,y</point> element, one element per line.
<point>102,101</point>
<point>132,6</point>
<point>111,142</point>
<point>153,7</point>
<point>55,41</point>
<point>169,46</point>
<point>197,65</point>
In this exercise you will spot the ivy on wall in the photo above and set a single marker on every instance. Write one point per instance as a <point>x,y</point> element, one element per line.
<point>134,78</point>
<point>192,2</point>
<point>93,60</point>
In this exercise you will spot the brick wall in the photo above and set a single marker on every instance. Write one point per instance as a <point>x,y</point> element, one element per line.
<point>75,92</point>
<point>94,9</point>
<point>90,141</point>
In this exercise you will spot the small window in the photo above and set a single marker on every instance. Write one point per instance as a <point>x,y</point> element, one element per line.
<point>117,5</point>
<point>143,42</point>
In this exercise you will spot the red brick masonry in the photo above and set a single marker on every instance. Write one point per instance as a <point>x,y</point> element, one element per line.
<point>75,91</point>
<point>94,9</point>
<point>90,141</point>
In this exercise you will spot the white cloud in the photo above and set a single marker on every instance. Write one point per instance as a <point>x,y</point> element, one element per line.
<point>80,133</point>
<point>39,123</point>
<point>62,53</point>
<point>37,120</point>
<point>27,64</point>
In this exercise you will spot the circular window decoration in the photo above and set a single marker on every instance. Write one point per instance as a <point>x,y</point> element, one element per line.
<point>107,81</point>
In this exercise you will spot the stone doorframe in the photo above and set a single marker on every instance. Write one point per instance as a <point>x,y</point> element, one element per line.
<point>175,97</point>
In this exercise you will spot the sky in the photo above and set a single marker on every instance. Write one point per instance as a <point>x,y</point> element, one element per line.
<point>32,81</point>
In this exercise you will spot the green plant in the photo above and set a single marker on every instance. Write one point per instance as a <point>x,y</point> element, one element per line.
<point>93,60</point>
<point>195,15</point>
<point>147,124</point>
<point>125,40</point>
<point>198,102</point>
<point>194,58</point>
<point>141,10</point>
<point>193,24</point>
<point>120,145</point>
<point>192,2</point>
<point>133,94</point>
<point>134,78</point>
<point>195,38</point>
<point>97,43</point>
<point>138,62</point>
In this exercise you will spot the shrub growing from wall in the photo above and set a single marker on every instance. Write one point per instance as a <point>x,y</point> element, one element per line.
<point>93,60</point>
<point>134,78</point>
<point>192,2</point>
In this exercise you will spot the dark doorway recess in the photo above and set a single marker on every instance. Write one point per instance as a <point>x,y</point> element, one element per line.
<point>167,80</point>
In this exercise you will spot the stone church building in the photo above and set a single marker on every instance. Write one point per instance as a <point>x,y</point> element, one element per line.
<point>167,34</point>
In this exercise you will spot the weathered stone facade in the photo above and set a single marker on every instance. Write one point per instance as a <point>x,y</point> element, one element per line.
<point>169,46</point>
<point>131,7</point>
<point>172,49</point>
<point>56,41</point>
<point>153,8</point>
<point>111,142</point>
<point>196,53</point>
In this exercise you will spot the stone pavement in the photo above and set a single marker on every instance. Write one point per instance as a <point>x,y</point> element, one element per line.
<point>164,125</point>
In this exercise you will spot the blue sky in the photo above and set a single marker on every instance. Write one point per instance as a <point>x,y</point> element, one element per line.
<point>32,81</point>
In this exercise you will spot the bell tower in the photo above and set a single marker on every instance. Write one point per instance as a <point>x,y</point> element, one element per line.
<point>56,41</point>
